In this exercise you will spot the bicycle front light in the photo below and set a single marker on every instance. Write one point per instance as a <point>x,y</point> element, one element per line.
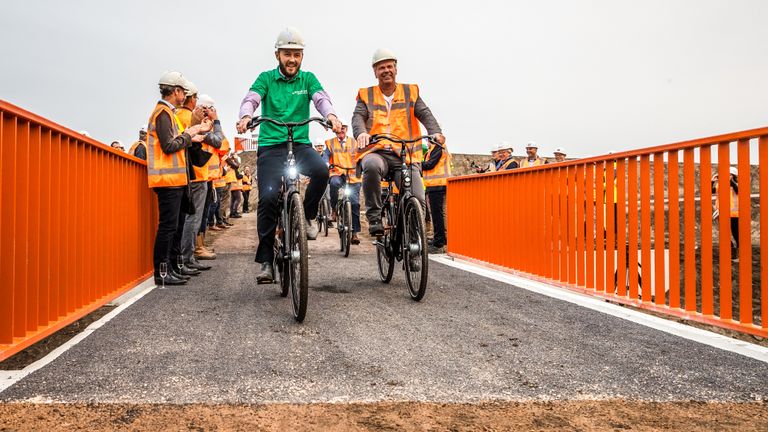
<point>292,172</point>
<point>347,191</point>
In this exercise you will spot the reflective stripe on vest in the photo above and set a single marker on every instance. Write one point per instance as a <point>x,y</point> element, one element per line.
<point>164,170</point>
<point>400,120</point>
<point>438,176</point>
<point>343,157</point>
<point>506,164</point>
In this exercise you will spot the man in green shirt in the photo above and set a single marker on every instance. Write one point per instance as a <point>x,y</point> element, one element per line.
<point>284,94</point>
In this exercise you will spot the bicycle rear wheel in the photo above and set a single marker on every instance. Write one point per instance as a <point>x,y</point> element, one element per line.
<point>298,251</point>
<point>415,259</point>
<point>279,267</point>
<point>346,240</point>
<point>326,215</point>
<point>385,256</point>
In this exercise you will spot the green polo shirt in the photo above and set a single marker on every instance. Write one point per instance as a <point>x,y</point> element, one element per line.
<point>285,100</point>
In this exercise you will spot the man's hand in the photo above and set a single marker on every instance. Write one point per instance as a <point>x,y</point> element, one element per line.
<point>197,114</point>
<point>363,140</point>
<point>198,138</point>
<point>212,114</point>
<point>206,126</point>
<point>440,138</point>
<point>335,123</point>
<point>242,125</point>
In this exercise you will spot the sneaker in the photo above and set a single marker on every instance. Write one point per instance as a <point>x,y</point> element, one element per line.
<point>376,229</point>
<point>312,231</point>
<point>214,228</point>
<point>265,274</point>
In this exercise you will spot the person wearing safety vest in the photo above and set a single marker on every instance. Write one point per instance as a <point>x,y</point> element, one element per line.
<point>246,188</point>
<point>230,177</point>
<point>236,193</point>
<point>342,151</point>
<point>215,219</point>
<point>214,172</point>
<point>437,169</point>
<point>284,94</point>
<point>389,107</point>
<point>139,148</point>
<point>532,160</point>
<point>504,159</point>
<point>194,111</point>
<point>167,173</point>
<point>733,210</point>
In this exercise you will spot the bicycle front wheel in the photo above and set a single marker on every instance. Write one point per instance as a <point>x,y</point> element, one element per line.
<point>326,215</point>
<point>415,249</point>
<point>297,258</point>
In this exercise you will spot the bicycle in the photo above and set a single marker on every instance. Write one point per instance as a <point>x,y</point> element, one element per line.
<point>405,236</point>
<point>291,250</point>
<point>344,213</point>
<point>324,215</point>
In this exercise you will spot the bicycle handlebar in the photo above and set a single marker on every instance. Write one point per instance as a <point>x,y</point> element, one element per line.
<point>332,166</point>
<point>259,120</point>
<point>394,138</point>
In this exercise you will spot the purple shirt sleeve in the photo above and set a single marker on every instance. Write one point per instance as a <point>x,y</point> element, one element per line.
<point>249,104</point>
<point>322,104</point>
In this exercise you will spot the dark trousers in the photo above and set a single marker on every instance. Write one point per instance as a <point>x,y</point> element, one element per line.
<point>246,197</point>
<point>207,208</point>
<point>170,227</point>
<point>436,198</point>
<point>337,183</point>
<point>270,164</point>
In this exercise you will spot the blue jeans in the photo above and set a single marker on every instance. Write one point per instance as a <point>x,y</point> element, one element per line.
<point>337,183</point>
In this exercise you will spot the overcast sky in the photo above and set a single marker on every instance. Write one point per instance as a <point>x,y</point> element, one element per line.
<point>591,76</point>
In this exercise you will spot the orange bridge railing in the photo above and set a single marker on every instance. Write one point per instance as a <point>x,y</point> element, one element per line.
<point>76,226</point>
<point>636,227</point>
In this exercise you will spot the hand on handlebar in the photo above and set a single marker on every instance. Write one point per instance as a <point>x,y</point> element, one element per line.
<point>363,140</point>
<point>242,125</point>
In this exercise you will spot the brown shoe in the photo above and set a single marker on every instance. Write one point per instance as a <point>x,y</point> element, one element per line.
<point>203,254</point>
<point>222,226</point>
<point>214,228</point>
<point>355,239</point>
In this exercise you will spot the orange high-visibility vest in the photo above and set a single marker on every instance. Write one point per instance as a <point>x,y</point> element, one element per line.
<point>400,120</point>
<point>219,182</point>
<point>214,169</point>
<point>134,146</point>
<point>237,184</point>
<point>506,164</point>
<point>342,156</point>
<point>203,173</point>
<point>526,163</point>
<point>164,170</point>
<point>246,182</point>
<point>438,176</point>
<point>734,197</point>
<point>230,176</point>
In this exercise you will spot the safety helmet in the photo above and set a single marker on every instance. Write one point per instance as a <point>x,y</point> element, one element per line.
<point>320,143</point>
<point>85,133</point>
<point>382,54</point>
<point>734,171</point>
<point>143,128</point>
<point>205,100</point>
<point>190,89</point>
<point>561,151</point>
<point>290,38</point>
<point>531,144</point>
<point>343,122</point>
<point>505,145</point>
<point>173,78</point>
<point>118,142</point>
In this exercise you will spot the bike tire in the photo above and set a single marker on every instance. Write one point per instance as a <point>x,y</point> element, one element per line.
<point>278,266</point>
<point>326,215</point>
<point>385,256</point>
<point>298,267</point>
<point>347,238</point>
<point>340,225</point>
<point>415,259</point>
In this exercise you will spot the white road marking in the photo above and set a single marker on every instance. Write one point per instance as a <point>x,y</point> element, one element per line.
<point>706,337</point>
<point>9,378</point>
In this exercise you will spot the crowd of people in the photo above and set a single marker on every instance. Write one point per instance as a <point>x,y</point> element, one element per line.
<point>502,159</point>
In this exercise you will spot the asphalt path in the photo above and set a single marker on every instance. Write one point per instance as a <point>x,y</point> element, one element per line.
<point>225,339</point>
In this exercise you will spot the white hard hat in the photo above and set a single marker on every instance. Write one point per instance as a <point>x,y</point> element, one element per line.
<point>561,151</point>
<point>205,100</point>
<point>143,128</point>
<point>343,122</point>
<point>382,54</point>
<point>531,144</point>
<point>191,88</point>
<point>290,38</point>
<point>320,143</point>
<point>85,132</point>
<point>505,145</point>
<point>734,171</point>
<point>173,78</point>
<point>120,143</point>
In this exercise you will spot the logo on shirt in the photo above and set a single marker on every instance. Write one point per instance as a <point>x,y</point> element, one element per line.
<point>299,92</point>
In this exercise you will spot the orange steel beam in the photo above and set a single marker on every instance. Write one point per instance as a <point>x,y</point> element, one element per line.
<point>745,234</point>
<point>723,169</point>
<point>578,227</point>
<point>634,276</point>
<point>610,227</point>
<point>673,188</point>
<point>660,232</point>
<point>689,219</point>
<point>705,190</point>
<point>645,224</point>
<point>600,226</point>
<point>763,159</point>
<point>621,229</point>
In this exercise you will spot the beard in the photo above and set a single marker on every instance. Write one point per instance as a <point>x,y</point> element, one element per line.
<point>284,68</point>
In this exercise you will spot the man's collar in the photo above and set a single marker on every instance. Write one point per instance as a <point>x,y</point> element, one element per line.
<point>170,105</point>
<point>279,75</point>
